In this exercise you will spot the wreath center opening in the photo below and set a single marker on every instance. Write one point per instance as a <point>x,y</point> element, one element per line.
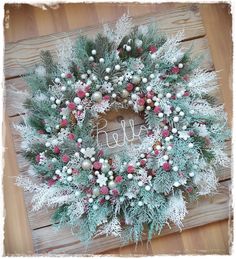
<point>118,128</point>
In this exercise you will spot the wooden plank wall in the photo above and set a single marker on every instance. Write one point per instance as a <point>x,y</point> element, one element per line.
<point>23,54</point>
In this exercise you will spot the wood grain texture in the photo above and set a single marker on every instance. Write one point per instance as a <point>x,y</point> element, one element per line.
<point>194,241</point>
<point>19,241</point>
<point>218,16</point>
<point>21,56</point>
<point>27,21</point>
<point>47,240</point>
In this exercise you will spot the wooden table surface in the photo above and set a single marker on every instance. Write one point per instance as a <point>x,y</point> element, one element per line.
<point>25,22</point>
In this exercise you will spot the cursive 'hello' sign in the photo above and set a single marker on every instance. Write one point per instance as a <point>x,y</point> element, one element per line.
<point>127,133</point>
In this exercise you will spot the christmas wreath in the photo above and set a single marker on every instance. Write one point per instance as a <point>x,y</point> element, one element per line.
<point>148,184</point>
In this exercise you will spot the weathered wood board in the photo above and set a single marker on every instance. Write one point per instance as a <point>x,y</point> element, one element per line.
<point>21,56</point>
<point>48,240</point>
<point>24,54</point>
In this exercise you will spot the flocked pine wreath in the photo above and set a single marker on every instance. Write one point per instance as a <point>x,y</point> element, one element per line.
<point>149,184</point>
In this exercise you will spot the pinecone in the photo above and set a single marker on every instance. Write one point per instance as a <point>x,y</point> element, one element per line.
<point>73,119</point>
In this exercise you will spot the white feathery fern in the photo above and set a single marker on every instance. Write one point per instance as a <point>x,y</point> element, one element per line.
<point>205,179</point>
<point>170,50</point>
<point>122,28</point>
<point>176,210</point>
<point>202,82</point>
<point>65,54</point>
<point>111,228</point>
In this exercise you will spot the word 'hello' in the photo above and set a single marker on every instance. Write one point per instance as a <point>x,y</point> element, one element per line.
<point>123,139</point>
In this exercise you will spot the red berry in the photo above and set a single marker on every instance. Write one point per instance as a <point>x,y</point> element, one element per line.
<point>153,49</point>
<point>102,201</point>
<point>175,70</point>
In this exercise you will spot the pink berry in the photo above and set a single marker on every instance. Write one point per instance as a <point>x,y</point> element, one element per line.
<point>63,122</point>
<point>115,192</point>
<point>143,162</point>
<point>51,182</point>
<point>189,189</point>
<point>185,78</point>
<point>186,93</point>
<point>129,87</point>
<point>71,106</point>
<point>166,166</point>
<point>80,94</point>
<point>141,101</point>
<point>87,88</point>
<point>106,98</point>
<point>102,201</point>
<point>175,70</point>
<point>97,165</point>
<point>69,75</point>
<point>130,169</point>
<point>75,171</point>
<point>65,158</point>
<point>165,133</point>
<point>150,95</point>
<point>100,153</point>
<point>56,150</point>
<point>104,190</point>
<point>71,136</point>
<point>157,109</point>
<point>37,158</point>
<point>156,152</point>
<point>118,179</point>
